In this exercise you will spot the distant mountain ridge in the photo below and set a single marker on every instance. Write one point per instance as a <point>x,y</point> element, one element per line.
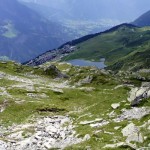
<point>95,16</point>
<point>143,20</point>
<point>77,25</point>
<point>97,9</point>
<point>24,34</point>
<point>122,46</point>
<point>67,47</point>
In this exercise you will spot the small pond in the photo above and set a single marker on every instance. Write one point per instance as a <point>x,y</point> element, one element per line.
<point>81,62</point>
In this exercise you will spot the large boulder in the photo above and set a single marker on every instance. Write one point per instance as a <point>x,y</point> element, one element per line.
<point>134,113</point>
<point>132,133</point>
<point>54,72</point>
<point>136,95</point>
<point>3,145</point>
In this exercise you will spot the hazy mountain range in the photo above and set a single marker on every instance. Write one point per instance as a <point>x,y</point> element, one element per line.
<point>124,10</point>
<point>24,33</point>
<point>84,17</point>
<point>31,27</point>
<point>143,20</point>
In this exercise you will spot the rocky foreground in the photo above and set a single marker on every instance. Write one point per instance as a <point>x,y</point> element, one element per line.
<point>43,108</point>
<point>48,132</point>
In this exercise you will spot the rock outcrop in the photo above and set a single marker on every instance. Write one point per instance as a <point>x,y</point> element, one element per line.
<point>115,105</point>
<point>3,145</point>
<point>138,94</point>
<point>99,122</point>
<point>134,113</point>
<point>54,72</point>
<point>49,132</point>
<point>52,55</point>
<point>132,133</point>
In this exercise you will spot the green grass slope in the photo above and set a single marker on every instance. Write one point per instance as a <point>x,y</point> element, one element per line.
<point>28,94</point>
<point>119,46</point>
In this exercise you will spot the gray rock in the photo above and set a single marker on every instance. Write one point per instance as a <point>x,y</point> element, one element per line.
<point>136,137</point>
<point>86,137</point>
<point>2,74</point>
<point>86,80</point>
<point>115,105</point>
<point>132,94</point>
<point>132,133</point>
<point>120,144</point>
<point>112,114</point>
<point>90,122</point>
<point>116,128</point>
<point>3,145</point>
<point>2,109</point>
<point>136,95</point>
<point>54,72</point>
<point>56,90</point>
<point>47,145</point>
<point>145,84</point>
<point>134,113</point>
<point>148,93</point>
<point>100,124</point>
<point>50,132</point>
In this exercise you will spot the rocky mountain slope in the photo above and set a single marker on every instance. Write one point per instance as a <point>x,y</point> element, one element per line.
<point>25,34</point>
<point>143,20</point>
<point>124,47</point>
<point>68,107</point>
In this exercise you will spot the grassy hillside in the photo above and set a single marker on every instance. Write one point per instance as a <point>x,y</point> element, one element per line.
<point>118,45</point>
<point>28,96</point>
